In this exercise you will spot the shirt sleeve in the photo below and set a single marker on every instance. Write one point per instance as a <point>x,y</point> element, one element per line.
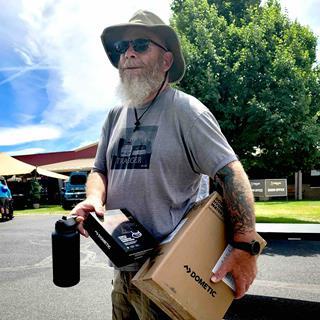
<point>100,161</point>
<point>208,147</point>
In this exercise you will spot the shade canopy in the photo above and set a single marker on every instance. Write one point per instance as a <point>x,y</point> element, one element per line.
<point>10,166</point>
<point>70,165</point>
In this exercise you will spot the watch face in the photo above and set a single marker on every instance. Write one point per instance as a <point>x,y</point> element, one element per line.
<point>255,249</point>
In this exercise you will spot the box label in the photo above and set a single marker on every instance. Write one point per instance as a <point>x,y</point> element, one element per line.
<point>122,238</point>
<point>104,241</point>
<point>228,279</point>
<point>218,207</point>
<point>202,283</point>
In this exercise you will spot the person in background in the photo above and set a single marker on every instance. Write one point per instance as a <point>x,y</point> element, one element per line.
<point>154,148</point>
<point>6,208</point>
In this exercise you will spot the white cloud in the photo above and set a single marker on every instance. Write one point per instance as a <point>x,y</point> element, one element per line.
<point>14,136</point>
<point>65,35</point>
<point>62,38</point>
<point>19,71</point>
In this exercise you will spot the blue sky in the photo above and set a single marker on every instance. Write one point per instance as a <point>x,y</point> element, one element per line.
<point>56,84</point>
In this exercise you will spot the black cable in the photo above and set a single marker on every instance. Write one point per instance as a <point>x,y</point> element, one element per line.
<point>138,123</point>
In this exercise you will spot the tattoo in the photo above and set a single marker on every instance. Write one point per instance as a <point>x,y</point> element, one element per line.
<point>238,198</point>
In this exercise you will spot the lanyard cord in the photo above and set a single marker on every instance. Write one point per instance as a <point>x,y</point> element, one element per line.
<point>138,123</point>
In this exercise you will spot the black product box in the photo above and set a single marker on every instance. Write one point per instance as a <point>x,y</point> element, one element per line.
<point>121,237</point>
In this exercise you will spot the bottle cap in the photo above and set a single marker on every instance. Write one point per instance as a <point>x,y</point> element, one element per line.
<point>66,225</point>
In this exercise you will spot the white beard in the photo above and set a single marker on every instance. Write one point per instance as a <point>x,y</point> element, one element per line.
<point>133,91</point>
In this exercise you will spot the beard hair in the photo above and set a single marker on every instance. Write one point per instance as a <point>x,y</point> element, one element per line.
<point>133,90</point>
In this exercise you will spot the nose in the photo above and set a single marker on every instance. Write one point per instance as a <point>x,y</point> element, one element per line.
<point>130,53</point>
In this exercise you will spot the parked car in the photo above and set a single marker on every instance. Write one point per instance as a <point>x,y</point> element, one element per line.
<point>6,202</point>
<point>75,189</point>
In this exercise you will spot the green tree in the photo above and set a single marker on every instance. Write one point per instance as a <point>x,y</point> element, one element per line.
<point>259,78</point>
<point>234,11</point>
<point>35,191</point>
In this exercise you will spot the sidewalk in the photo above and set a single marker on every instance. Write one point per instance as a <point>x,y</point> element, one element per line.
<point>294,231</point>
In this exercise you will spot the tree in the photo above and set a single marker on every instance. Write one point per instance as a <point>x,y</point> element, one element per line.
<point>258,76</point>
<point>233,11</point>
<point>35,191</point>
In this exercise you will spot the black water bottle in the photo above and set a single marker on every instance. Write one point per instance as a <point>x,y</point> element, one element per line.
<point>66,253</point>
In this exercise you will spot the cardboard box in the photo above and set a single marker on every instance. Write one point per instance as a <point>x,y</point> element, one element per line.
<point>177,279</point>
<point>122,238</point>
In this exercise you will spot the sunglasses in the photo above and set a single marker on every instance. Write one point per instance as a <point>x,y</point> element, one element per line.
<point>138,45</point>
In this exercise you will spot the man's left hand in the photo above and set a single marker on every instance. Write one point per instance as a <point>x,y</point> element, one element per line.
<point>243,267</point>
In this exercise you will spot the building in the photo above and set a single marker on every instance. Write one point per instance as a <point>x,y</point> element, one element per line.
<point>64,162</point>
<point>81,159</point>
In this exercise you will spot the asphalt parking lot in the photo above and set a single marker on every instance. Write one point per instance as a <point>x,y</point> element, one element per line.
<point>287,285</point>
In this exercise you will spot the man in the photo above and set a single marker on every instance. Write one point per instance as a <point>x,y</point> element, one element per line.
<point>153,150</point>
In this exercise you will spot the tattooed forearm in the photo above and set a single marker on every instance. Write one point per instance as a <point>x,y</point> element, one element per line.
<point>238,197</point>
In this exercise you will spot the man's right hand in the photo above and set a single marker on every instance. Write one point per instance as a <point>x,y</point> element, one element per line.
<point>82,209</point>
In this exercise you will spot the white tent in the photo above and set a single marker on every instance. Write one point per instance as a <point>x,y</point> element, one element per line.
<point>70,165</point>
<point>10,166</point>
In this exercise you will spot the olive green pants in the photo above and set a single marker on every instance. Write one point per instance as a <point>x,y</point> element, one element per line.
<point>129,303</point>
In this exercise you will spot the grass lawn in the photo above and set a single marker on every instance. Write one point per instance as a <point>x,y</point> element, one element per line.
<point>44,209</point>
<point>288,211</point>
<point>266,212</point>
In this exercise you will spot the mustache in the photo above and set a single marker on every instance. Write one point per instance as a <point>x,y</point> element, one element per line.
<point>131,64</point>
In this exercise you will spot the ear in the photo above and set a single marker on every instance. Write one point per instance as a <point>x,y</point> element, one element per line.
<point>167,60</point>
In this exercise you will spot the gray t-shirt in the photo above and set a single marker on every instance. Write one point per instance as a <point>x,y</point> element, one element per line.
<point>155,171</point>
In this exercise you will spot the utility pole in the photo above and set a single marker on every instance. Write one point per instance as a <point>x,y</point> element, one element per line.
<point>298,185</point>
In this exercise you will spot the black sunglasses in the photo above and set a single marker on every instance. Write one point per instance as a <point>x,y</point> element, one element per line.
<point>138,45</point>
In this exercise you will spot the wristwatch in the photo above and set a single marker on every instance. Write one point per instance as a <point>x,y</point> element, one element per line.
<point>252,247</point>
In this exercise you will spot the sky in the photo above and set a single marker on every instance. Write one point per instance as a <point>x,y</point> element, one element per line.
<point>56,83</point>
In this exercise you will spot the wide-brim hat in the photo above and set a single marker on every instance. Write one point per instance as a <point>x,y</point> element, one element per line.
<point>152,23</point>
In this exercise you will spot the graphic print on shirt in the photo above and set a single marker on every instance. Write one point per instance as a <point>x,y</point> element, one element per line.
<point>134,148</point>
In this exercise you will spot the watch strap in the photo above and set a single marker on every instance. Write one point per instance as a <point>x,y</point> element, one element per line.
<point>252,247</point>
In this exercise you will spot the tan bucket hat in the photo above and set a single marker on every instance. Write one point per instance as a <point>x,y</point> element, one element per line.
<point>152,23</point>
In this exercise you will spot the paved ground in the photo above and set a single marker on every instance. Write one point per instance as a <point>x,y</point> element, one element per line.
<point>27,290</point>
<point>288,282</point>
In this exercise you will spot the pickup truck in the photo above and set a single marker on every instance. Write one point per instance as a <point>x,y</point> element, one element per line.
<point>75,189</point>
